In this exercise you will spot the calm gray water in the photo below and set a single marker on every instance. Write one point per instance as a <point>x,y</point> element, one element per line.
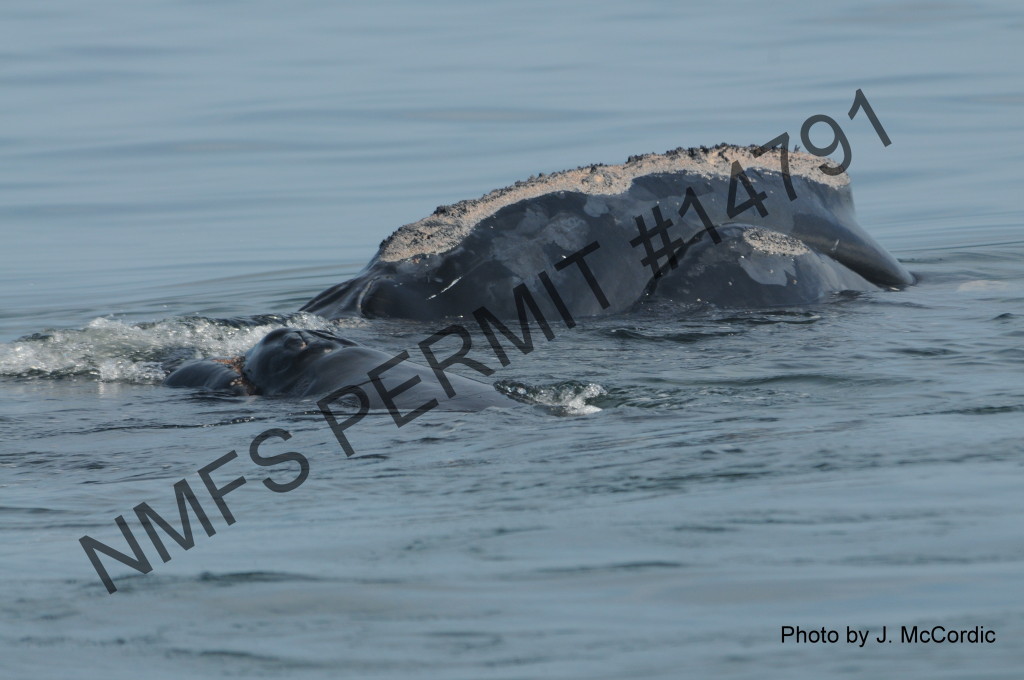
<point>700,480</point>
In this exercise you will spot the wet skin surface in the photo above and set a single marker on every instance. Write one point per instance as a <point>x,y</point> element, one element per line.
<point>300,363</point>
<point>518,241</point>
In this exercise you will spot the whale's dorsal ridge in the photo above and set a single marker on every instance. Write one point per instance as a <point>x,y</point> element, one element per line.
<point>448,226</point>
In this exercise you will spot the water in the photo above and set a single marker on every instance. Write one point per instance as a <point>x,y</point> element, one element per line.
<point>173,166</point>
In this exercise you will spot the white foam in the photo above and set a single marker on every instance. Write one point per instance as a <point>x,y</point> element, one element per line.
<point>565,398</point>
<point>114,350</point>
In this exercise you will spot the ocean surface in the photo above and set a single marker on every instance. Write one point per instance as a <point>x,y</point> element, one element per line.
<point>178,178</point>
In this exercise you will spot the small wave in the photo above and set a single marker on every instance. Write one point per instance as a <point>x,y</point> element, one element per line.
<point>668,336</point>
<point>566,398</point>
<point>114,350</point>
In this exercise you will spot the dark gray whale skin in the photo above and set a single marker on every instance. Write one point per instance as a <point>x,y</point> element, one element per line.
<point>522,238</point>
<point>298,363</point>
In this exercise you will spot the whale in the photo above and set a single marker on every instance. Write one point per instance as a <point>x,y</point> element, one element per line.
<point>305,363</point>
<point>748,227</point>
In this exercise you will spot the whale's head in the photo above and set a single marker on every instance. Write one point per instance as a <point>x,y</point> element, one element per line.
<point>287,357</point>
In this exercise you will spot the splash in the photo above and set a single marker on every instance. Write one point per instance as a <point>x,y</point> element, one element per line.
<point>115,350</point>
<point>566,398</point>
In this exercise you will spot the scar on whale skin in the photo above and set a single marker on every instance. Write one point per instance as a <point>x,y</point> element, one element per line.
<point>472,253</point>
